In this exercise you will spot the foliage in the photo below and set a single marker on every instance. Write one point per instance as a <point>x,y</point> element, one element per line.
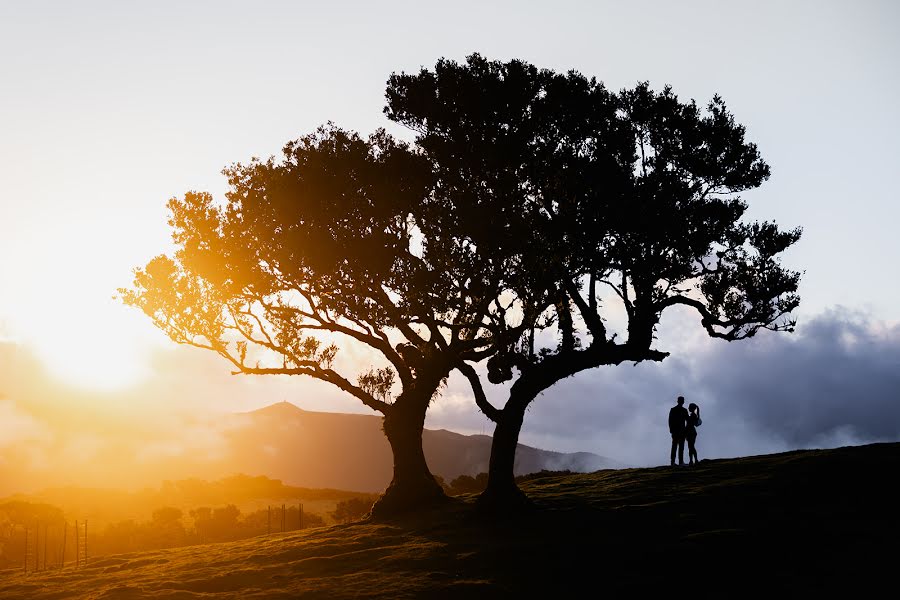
<point>318,242</point>
<point>340,243</point>
<point>633,198</point>
<point>18,515</point>
<point>466,484</point>
<point>330,243</point>
<point>352,509</point>
<point>634,191</point>
<point>169,529</point>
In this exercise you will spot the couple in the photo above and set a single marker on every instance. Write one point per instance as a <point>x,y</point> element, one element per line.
<point>683,423</point>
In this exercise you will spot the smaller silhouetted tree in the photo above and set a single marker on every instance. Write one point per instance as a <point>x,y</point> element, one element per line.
<point>339,244</point>
<point>352,509</point>
<point>166,528</point>
<point>217,524</point>
<point>466,484</point>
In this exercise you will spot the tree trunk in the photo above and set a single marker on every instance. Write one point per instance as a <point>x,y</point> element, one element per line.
<point>413,486</point>
<point>502,494</point>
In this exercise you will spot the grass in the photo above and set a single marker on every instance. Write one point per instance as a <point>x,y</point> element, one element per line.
<point>811,523</point>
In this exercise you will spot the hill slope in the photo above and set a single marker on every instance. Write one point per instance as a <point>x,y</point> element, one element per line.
<point>350,452</point>
<point>810,523</point>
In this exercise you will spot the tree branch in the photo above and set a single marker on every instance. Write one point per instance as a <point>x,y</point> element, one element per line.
<point>591,318</point>
<point>489,410</point>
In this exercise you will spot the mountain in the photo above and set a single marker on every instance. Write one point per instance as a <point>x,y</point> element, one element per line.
<point>281,441</point>
<point>350,452</point>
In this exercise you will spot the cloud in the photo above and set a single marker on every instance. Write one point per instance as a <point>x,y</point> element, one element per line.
<point>17,427</point>
<point>837,381</point>
<point>834,382</point>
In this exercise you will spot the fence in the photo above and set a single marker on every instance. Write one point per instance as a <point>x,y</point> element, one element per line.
<point>283,518</point>
<point>57,544</point>
<point>40,554</point>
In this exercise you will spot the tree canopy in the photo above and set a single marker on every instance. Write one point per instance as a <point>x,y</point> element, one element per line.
<point>337,243</point>
<point>632,196</point>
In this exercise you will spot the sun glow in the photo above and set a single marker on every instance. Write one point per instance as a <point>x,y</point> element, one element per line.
<point>97,354</point>
<point>63,309</point>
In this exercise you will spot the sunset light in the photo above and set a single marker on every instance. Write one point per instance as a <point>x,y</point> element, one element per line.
<point>65,311</point>
<point>103,351</point>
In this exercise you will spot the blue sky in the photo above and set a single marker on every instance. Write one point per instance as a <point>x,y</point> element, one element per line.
<point>108,109</point>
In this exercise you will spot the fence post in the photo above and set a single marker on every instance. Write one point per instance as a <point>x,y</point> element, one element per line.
<point>62,556</point>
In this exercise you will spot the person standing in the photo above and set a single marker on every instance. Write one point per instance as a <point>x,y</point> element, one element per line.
<point>678,416</point>
<point>690,432</point>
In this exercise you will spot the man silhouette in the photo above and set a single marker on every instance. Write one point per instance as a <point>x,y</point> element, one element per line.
<point>678,416</point>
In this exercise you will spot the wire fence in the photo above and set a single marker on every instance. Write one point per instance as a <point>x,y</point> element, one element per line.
<point>45,546</point>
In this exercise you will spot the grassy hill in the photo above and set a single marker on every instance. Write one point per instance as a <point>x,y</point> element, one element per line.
<point>813,523</point>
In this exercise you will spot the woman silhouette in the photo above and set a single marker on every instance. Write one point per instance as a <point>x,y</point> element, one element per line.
<point>690,433</point>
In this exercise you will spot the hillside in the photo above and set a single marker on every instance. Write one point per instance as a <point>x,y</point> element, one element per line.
<point>812,523</point>
<point>350,452</point>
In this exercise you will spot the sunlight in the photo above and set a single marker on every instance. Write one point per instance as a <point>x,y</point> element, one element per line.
<point>60,300</point>
<point>79,332</point>
<point>100,352</point>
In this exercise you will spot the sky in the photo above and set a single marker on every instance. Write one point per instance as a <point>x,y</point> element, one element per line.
<point>108,109</point>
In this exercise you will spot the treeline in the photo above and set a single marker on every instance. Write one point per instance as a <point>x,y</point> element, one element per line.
<point>48,537</point>
<point>171,527</point>
<point>24,523</point>
<point>106,506</point>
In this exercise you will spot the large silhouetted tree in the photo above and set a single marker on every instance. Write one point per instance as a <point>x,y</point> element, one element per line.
<point>340,242</point>
<point>633,198</point>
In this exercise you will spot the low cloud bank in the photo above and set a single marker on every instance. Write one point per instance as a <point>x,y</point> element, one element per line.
<point>834,382</point>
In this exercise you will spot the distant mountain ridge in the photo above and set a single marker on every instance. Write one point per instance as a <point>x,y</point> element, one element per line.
<point>301,448</point>
<point>350,452</point>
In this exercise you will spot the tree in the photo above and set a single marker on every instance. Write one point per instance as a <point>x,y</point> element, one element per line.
<point>632,193</point>
<point>466,484</point>
<point>338,243</point>
<point>351,509</point>
<point>166,528</point>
